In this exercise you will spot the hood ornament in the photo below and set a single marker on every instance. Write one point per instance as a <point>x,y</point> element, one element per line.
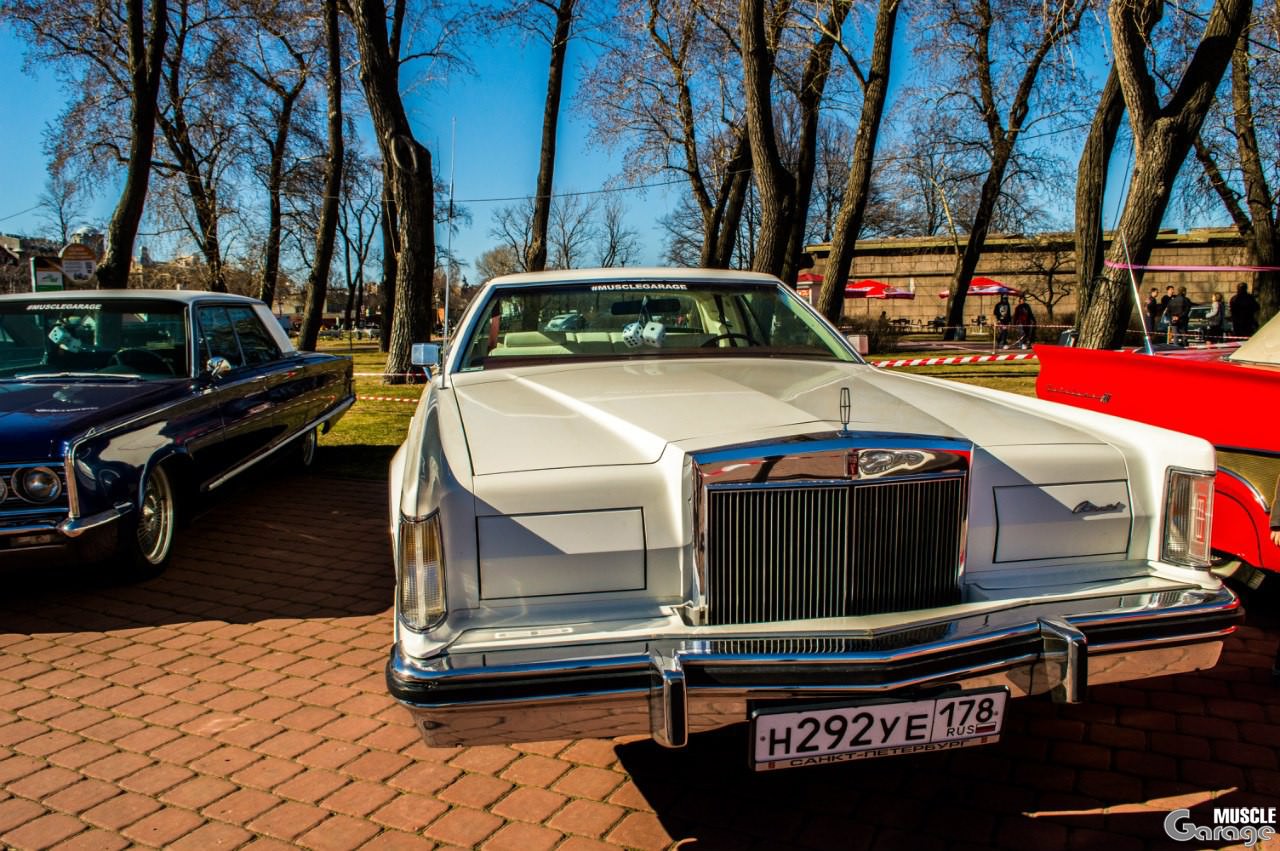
<point>845,410</point>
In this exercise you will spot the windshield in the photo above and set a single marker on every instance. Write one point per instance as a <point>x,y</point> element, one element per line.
<point>116,338</point>
<point>645,320</point>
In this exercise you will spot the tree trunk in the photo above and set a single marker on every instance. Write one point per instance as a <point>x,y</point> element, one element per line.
<point>410,183</point>
<point>387,222</point>
<point>1162,138</point>
<point>813,84</point>
<point>275,178</point>
<point>773,182</point>
<point>1091,186</point>
<point>854,204</point>
<point>536,260</point>
<point>1263,249</point>
<point>318,280</point>
<point>145,62</point>
<point>967,263</point>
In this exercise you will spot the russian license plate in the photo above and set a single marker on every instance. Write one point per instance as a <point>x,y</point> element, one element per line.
<point>817,735</point>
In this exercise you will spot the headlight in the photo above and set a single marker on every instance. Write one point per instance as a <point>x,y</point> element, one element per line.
<point>420,569</point>
<point>37,484</point>
<point>1188,517</point>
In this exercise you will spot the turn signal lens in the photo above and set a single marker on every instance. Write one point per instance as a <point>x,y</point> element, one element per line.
<point>1188,518</point>
<point>420,573</point>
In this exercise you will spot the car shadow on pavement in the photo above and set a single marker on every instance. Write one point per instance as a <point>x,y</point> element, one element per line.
<point>1099,775</point>
<point>276,544</point>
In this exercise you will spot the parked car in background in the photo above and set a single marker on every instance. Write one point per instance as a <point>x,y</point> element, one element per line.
<point>1198,324</point>
<point>117,406</point>
<point>704,508</point>
<point>1226,395</point>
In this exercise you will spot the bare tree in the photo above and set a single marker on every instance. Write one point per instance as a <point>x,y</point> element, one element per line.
<point>497,261</point>
<point>318,280</point>
<point>784,194</point>
<point>60,204</point>
<point>108,54</point>
<point>1163,133</point>
<point>553,21</point>
<point>278,54</point>
<point>875,87</point>
<point>358,219</point>
<point>409,218</point>
<point>618,245</point>
<point>668,91</point>
<point>1239,174</point>
<point>1006,54</point>
<point>513,228</point>
<point>1049,264</point>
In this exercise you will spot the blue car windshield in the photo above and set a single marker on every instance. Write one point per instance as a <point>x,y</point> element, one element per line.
<point>647,319</point>
<point>109,338</point>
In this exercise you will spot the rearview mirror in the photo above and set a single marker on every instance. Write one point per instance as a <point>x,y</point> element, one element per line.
<point>425,354</point>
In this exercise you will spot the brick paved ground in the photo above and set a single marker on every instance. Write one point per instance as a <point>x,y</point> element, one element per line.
<point>238,701</point>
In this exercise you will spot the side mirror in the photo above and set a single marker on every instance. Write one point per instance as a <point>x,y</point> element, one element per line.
<point>217,366</point>
<point>425,354</point>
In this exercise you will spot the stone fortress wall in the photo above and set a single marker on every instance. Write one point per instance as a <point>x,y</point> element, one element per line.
<point>925,266</point>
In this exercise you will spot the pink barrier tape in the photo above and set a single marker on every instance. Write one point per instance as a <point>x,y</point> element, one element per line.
<point>1113,265</point>
<point>947,361</point>
<point>385,399</point>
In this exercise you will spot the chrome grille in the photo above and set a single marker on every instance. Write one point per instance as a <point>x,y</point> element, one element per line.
<point>818,551</point>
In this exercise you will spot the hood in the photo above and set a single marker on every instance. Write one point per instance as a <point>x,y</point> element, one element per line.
<point>535,418</point>
<point>36,417</point>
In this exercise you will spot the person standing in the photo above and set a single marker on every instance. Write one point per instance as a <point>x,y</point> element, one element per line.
<point>1004,314</point>
<point>1215,319</point>
<point>1026,322</point>
<point>1154,308</point>
<point>1178,310</point>
<point>1244,312</point>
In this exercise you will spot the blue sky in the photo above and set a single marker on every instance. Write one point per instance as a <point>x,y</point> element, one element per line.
<point>498,111</point>
<point>498,114</point>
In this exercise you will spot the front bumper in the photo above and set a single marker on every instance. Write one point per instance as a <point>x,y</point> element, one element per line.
<point>54,542</point>
<point>668,686</point>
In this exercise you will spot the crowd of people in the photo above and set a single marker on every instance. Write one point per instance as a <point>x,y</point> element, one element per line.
<point>1172,314</point>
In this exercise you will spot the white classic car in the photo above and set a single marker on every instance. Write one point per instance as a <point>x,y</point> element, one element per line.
<point>701,507</point>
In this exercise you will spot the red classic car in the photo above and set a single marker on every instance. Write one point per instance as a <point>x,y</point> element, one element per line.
<point>1228,395</point>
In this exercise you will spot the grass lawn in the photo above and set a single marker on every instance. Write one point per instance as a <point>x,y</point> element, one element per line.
<point>362,443</point>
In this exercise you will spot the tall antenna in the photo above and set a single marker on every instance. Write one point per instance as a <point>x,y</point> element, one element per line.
<point>448,263</point>
<point>1137,297</point>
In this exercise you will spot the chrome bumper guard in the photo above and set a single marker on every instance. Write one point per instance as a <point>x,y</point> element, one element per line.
<point>70,527</point>
<point>669,686</point>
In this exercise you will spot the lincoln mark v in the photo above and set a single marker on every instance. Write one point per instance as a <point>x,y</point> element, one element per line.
<point>695,506</point>
<point>117,407</point>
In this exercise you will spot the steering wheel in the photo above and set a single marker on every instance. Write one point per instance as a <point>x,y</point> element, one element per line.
<point>143,360</point>
<point>728,335</point>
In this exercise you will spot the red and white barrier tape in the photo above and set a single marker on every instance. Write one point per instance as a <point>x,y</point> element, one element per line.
<point>947,361</point>
<point>386,399</point>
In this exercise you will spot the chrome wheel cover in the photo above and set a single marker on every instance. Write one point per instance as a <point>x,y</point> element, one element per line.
<point>155,519</point>
<point>309,442</point>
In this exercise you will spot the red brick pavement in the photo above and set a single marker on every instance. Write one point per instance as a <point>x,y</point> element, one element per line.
<point>238,701</point>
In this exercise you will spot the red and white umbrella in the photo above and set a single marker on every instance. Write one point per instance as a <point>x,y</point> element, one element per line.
<point>875,289</point>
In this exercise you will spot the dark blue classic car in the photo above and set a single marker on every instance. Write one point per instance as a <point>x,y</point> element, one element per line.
<point>118,406</point>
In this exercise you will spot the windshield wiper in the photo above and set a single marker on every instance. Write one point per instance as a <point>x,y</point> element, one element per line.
<point>107,376</point>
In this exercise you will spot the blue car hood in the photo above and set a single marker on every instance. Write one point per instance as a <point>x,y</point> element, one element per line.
<point>36,417</point>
